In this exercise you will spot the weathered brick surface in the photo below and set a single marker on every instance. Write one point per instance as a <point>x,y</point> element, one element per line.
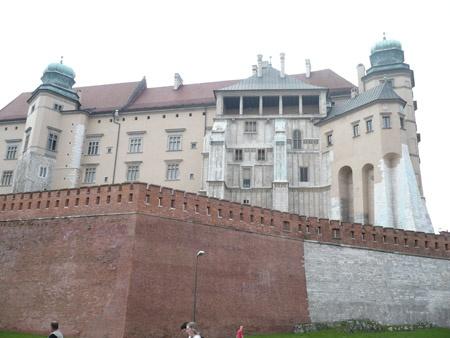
<point>254,280</point>
<point>117,261</point>
<point>74,270</point>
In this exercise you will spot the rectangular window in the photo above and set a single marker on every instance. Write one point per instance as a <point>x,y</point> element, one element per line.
<point>7,178</point>
<point>304,174</point>
<point>193,145</point>
<point>11,151</point>
<point>27,140</point>
<point>356,130</point>
<point>402,122</point>
<point>369,127</point>
<point>89,175</point>
<point>246,177</point>
<point>238,154</point>
<point>250,127</point>
<point>57,107</point>
<point>92,148</point>
<point>386,121</point>
<point>261,154</point>
<point>174,143</point>
<point>135,145</point>
<point>329,140</point>
<point>133,172</point>
<point>42,172</point>
<point>52,141</point>
<point>173,171</point>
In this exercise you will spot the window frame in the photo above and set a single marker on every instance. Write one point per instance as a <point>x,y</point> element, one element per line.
<point>135,144</point>
<point>172,171</point>
<point>7,178</point>
<point>91,173</point>
<point>261,154</point>
<point>384,118</point>
<point>303,172</point>
<point>52,141</point>
<point>250,127</point>
<point>296,139</point>
<point>133,169</point>
<point>238,154</point>
<point>12,154</point>
<point>174,145</point>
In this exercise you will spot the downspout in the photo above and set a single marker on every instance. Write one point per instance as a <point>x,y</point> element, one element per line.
<point>115,120</point>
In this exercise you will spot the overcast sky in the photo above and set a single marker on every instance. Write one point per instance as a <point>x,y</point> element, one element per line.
<point>119,41</point>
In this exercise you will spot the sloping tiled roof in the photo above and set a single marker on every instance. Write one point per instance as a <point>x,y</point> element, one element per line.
<point>104,98</point>
<point>270,79</point>
<point>383,91</point>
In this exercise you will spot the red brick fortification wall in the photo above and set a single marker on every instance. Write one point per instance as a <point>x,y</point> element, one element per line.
<point>255,280</point>
<point>253,273</point>
<point>74,270</point>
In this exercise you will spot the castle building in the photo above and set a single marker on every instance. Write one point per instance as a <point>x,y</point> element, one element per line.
<point>312,144</point>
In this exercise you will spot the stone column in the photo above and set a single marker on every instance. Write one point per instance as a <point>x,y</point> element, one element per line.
<point>241,105</point>
<point>217,160</point>
<point>219,106</point>
<point>280,105</point>
<point>300,105</point>
<point>260,105</point>
<point>280,195</point>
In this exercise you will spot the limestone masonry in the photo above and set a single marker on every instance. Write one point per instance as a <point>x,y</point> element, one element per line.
<point>117,261</point>
<point>312,144</point>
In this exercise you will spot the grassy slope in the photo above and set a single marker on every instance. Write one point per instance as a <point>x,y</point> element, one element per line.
<point>425,333</point>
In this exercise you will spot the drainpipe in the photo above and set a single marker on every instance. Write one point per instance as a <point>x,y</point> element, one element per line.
<point>115,120</point>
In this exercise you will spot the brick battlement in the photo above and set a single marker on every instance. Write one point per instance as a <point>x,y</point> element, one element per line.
<point>175,204</point>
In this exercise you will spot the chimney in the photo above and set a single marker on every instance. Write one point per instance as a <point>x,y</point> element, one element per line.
<point>254,70</point>
<point>361,72</point>
<point>259,69</point>
<point>178,81</point>
<point>308,68</point>
<point>282,55</point>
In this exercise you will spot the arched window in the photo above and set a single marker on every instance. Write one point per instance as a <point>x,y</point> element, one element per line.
<point>296,140</point>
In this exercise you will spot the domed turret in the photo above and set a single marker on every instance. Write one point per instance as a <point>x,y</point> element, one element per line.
<point>59,74</point>
<point>59,79</point>
<point>387,55</point>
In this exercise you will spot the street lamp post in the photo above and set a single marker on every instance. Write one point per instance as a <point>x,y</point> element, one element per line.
<point>200,253</point>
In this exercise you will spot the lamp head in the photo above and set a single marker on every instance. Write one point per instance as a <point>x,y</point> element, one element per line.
<point>201,253</point>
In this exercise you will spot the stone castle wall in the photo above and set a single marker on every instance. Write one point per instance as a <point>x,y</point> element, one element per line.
<point>117,261</point>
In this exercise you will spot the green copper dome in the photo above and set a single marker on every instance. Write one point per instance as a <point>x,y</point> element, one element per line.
<point>386,44</point>
<point>60,68</point>
<point>58,79</point>
<point>387,55</point>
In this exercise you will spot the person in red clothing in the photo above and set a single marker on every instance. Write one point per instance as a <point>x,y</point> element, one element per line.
<point>240,332</point>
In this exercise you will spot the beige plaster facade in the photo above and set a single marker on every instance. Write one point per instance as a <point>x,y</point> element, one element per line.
<point>312,143</point>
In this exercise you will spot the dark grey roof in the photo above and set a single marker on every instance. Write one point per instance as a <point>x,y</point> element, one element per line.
<point>270,79</point>
<point>382,92</point>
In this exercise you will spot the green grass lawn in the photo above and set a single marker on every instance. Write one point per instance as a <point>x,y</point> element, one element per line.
<point>4,334</point>
<point>423,333</point>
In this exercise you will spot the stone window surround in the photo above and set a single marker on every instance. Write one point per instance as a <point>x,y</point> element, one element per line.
<point>383,115</point>
<point>130,164</point>
<point>355,128</point>
<point>402,124</point>
<point>366,120</point>
<point>12,143</point>
<point>250,168</point>
<point>54,142</point>
<point>173,162</point>
<point>329,138</point>
<point>86,166</point>
<point>172,133</point>
<point>92,138</point>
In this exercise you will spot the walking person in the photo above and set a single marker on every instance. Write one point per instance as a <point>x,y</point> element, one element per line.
<point>240,332</point>
<point>192,330</point>
<point>55,331</point>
